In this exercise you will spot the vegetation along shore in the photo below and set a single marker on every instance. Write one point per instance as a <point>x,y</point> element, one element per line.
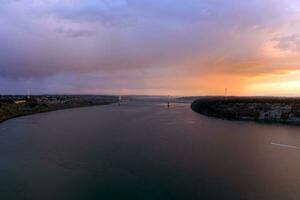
<point>15,106</point>
<point>262,109</point>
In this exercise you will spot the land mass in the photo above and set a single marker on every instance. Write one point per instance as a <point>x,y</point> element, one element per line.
<point>15,106</point>
<point>262,109</point>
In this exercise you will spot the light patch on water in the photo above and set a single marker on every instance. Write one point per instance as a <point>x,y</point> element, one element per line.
<point>190,121</point>
<point>285,146</point>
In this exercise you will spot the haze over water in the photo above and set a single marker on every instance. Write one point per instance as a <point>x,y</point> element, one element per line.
<point>143,150</point>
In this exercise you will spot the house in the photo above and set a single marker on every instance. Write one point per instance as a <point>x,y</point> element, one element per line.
<point>20,101</point>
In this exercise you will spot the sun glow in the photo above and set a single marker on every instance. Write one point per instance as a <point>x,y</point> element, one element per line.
<point>286,85</point>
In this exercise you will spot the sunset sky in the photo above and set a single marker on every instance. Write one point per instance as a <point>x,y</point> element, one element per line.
<point>153,47</point>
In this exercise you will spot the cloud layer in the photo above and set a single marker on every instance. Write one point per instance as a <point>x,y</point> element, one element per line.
<point>149,46</point>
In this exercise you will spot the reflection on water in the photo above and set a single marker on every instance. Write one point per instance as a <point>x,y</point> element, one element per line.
<point>146,151</point>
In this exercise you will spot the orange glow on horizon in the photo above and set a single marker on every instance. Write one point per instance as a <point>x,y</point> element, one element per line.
<point>277,85</point>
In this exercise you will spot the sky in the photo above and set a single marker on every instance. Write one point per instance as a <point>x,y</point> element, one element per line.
<point>151,47</point>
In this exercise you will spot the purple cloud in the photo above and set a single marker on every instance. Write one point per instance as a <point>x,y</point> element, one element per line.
<point>45,39</point>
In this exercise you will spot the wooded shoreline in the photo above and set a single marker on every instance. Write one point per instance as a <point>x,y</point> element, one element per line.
<point>261,109</point>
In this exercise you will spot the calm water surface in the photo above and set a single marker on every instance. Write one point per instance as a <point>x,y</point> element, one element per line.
<point>145,151</point>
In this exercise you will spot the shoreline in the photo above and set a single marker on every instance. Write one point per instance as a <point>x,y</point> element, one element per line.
<point>266,110</point>
<point>53,109</point>
<point>18,106</point>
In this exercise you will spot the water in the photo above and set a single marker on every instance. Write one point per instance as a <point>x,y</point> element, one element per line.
<point>146,151</point>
